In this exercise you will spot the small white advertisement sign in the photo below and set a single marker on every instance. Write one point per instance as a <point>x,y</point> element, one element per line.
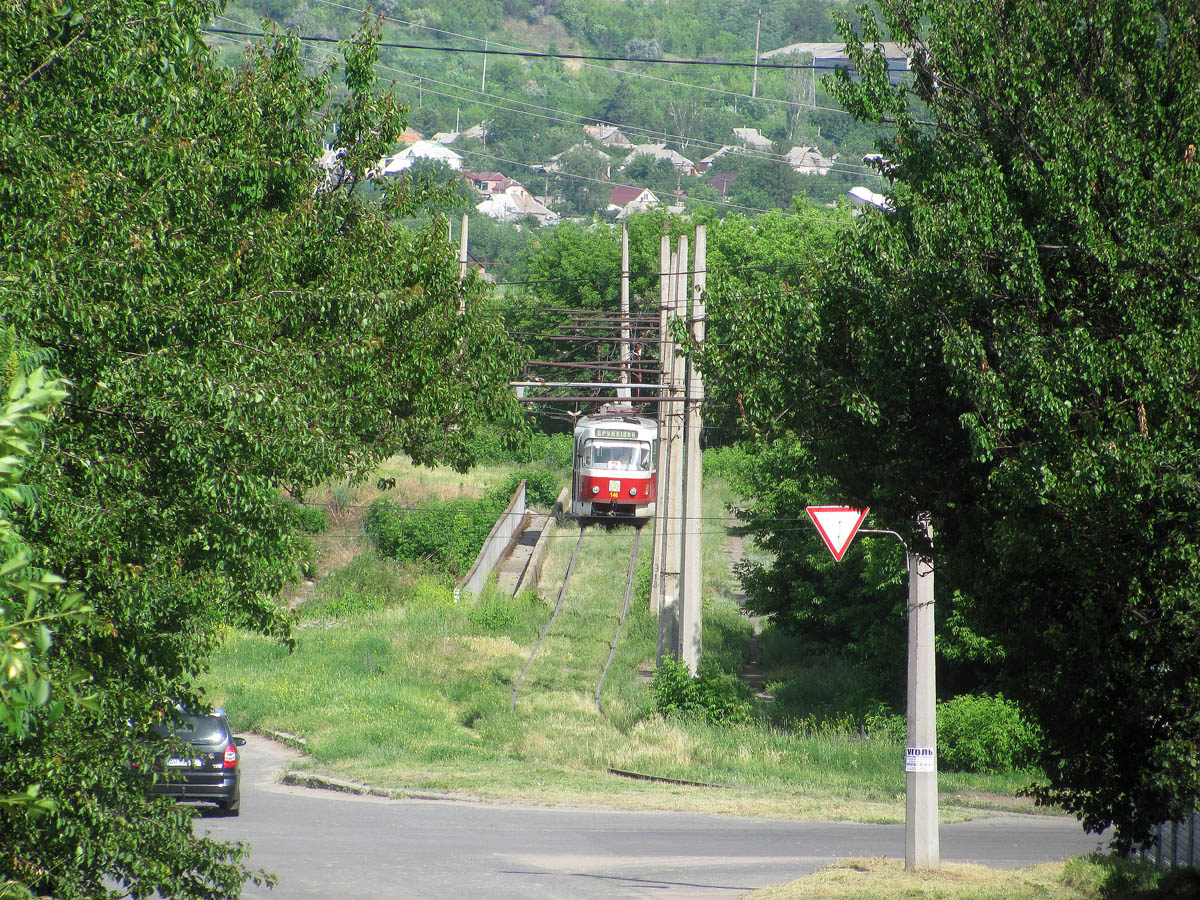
<point>920,759</point>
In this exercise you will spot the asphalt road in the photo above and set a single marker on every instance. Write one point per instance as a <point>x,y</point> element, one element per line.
<point>329,845</point>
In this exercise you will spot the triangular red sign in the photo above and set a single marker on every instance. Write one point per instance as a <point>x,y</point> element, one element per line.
<point>837,526</point>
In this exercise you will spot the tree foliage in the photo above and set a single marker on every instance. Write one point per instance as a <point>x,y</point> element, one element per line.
<point>1013,349</point>
<point>233,322</point>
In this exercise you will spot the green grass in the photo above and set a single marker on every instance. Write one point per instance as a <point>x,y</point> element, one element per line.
<point>394,684</point>
<point>1095,877</point>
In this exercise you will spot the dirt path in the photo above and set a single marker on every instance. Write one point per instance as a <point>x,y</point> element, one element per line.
<point>753,672</point>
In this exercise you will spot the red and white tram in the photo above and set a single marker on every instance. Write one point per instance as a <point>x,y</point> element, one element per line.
<point>616,457</point>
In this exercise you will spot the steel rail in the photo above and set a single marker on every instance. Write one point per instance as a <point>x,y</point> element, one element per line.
<point>612,648</point>
<point>562,593</point>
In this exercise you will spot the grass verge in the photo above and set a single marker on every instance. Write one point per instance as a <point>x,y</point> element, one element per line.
<point>1093,877</point>
<point>394,684</point>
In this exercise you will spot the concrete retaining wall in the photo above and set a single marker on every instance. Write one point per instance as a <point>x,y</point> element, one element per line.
<point>499,541</point>
<point>533,571</point>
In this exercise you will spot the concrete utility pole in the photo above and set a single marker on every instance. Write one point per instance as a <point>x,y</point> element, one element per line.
<point>462,264</point>
<point>665,268</point>
<point>754,79</point>
<point>921,845</point>
<point>483,81</point>
<point>668,632</point>
<point>690,614</point>
<point>623,392</point>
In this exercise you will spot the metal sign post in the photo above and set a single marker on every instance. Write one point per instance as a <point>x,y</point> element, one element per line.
<point>837,526</point>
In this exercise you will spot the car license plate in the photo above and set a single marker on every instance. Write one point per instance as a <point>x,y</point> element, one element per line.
<point>176,763</point>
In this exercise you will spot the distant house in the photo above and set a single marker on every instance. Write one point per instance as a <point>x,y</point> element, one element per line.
<point>722,182</point>
<point>490,183</point>
<point>332,163</point>
<point>409,137</point>
<point>625,201</point>
<point>445,137</point>
<point>398,162</point>
<point>808,161</point>
<point>478,132</point>
<point>681,163</point>
<point>825,56</point>
<point>514,202</point>
<point>703,165</point>
<point>608,135</point>
<point>750,137</point>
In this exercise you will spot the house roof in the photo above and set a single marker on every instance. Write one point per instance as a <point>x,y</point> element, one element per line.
<point>721,182</point>
<point>659,151</point>
<point>398,162</point>
<point>609,134</point>
<point>515,203</point>
<point>409,137</point>
<point>753,137</point>
<point>623,195</point>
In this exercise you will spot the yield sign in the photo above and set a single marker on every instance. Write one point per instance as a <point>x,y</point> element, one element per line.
<point>837,525</point>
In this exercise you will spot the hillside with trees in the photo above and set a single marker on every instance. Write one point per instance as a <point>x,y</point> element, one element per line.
<point>524,116</point>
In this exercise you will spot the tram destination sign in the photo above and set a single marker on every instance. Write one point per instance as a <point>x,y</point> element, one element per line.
<point>619,433</point>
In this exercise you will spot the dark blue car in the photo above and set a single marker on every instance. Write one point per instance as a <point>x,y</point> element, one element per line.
<point>207,768</point>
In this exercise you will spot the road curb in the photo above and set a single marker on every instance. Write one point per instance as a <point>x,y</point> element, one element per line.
<point>357,788</point>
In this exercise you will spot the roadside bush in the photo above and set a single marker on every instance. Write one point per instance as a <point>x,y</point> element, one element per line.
<point>712,696</point>
<point>980,733</point>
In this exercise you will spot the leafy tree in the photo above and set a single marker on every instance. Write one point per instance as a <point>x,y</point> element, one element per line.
<point>233,321</point>
<point>587,193</point>
<point>1012,349</point>
<point>32,602</point>
<point>658,175</point>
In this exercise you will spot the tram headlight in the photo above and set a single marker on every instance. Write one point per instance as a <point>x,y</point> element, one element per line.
<point>633,492</point>
<point>595,488</point>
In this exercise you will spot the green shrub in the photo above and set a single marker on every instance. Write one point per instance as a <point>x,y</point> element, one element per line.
<point>883,723</point>
<point>541,489</point>
<point>313,519</point>
<point>493,614</point>
<point>553,450</point>
<point>448,534</point>
<point>490,445</point>
<point>351,601</point>
<point>727,462</point>
<point>713,696</point>
<point>980,733</point>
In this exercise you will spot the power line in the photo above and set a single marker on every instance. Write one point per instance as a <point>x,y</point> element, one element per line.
<point>578,118</point>
<point>626,72</point>
<point>209,29</point>
<point>611,184</point>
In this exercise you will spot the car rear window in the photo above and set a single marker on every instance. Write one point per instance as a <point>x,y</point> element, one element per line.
<point>195,729</point>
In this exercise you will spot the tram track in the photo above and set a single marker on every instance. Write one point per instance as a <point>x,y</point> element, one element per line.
<point>559,605</point>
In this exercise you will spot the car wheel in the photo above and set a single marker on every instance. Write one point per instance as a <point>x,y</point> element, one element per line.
<point>230,808</point>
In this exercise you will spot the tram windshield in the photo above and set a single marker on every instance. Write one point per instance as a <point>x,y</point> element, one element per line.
<point>631,457</point>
